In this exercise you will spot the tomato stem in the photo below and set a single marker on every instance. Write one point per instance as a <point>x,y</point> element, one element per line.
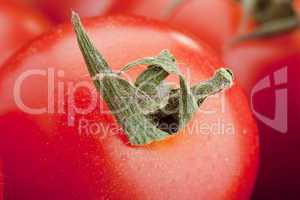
<point>272,17</point>
<point>142,108</point>
<point>265,11</point>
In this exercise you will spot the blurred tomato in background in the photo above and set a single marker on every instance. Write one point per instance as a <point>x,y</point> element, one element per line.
<point>214,21</point>
<point>59,11</point>
<point>18,25</point>
<point>268,69</point>
<point>267,66</point>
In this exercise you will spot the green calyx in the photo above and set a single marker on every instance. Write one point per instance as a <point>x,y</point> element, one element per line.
<point>265,11</point>
<point>148,110</point>
<point>272,17</point>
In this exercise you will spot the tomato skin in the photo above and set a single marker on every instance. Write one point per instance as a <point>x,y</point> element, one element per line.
<point>61,162</point>
<point>18,25</point>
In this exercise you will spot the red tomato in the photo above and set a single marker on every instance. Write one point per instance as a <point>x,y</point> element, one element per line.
<point>253,61</point>
<point>268,69</point>
<point>18,25</point>
<point>63,154</point>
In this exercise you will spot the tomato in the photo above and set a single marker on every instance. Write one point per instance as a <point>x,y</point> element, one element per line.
<point>253,61</point>
<point>18,25</point>
<point>267,69</point>
<point>63,154</point>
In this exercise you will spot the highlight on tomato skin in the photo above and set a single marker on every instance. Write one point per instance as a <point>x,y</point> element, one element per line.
<point>61,154</point>
<point>19,24</point>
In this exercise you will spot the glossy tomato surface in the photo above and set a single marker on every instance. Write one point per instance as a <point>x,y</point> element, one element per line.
<point>18,25</point>
<point>62,152</point>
